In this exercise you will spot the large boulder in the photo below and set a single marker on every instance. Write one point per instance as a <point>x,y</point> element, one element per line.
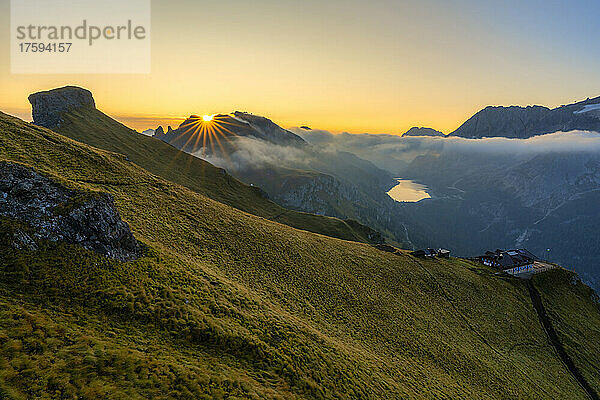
<point>53,213</point>
<point>48,106</point>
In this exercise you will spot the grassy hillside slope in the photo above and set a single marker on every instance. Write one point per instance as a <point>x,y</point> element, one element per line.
<point>89,125</point>
<point>228,305</point>
<point>565,299</point>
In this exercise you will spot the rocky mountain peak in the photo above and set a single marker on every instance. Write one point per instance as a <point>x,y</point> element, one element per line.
<point>269,131</point>
<point>48,106</point>
<point>189,136</point>
<point>159,132</point>
<point>525,122</point>
<point>422,131</point>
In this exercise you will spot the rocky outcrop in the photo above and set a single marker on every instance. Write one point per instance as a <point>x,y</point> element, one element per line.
<point>416,131</point>
<point>54,213</point>
<point>48,106</point>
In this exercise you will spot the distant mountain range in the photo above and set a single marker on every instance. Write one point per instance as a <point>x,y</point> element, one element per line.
<point>525,122</point>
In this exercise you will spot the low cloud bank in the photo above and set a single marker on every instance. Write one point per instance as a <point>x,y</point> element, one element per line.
<point>393,152</point>
<point>256,153</point>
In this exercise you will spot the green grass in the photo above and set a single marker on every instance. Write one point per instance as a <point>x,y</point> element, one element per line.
<point>566,300</point>
<point>226,304</point>
<point>90,126</point>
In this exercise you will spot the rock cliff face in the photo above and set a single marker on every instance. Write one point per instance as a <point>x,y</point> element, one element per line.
<point>48,106</point>
<point>511,122</point>
<point>525,122</point>
<point>55,213</point>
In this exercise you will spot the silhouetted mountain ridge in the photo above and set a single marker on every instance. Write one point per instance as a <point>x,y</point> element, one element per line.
<point>524,122</point>
<point>217,134</point>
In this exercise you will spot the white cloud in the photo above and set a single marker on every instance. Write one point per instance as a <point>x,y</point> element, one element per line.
<point>393,152</point>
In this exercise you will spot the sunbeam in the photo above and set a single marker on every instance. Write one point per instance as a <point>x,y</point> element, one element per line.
<point>209,131</point>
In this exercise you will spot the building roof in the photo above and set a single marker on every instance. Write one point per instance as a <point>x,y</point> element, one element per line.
<point>509,258</point>
<point>424,253</point>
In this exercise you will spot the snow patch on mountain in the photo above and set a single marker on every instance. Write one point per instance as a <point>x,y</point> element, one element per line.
<point>588,108</point>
